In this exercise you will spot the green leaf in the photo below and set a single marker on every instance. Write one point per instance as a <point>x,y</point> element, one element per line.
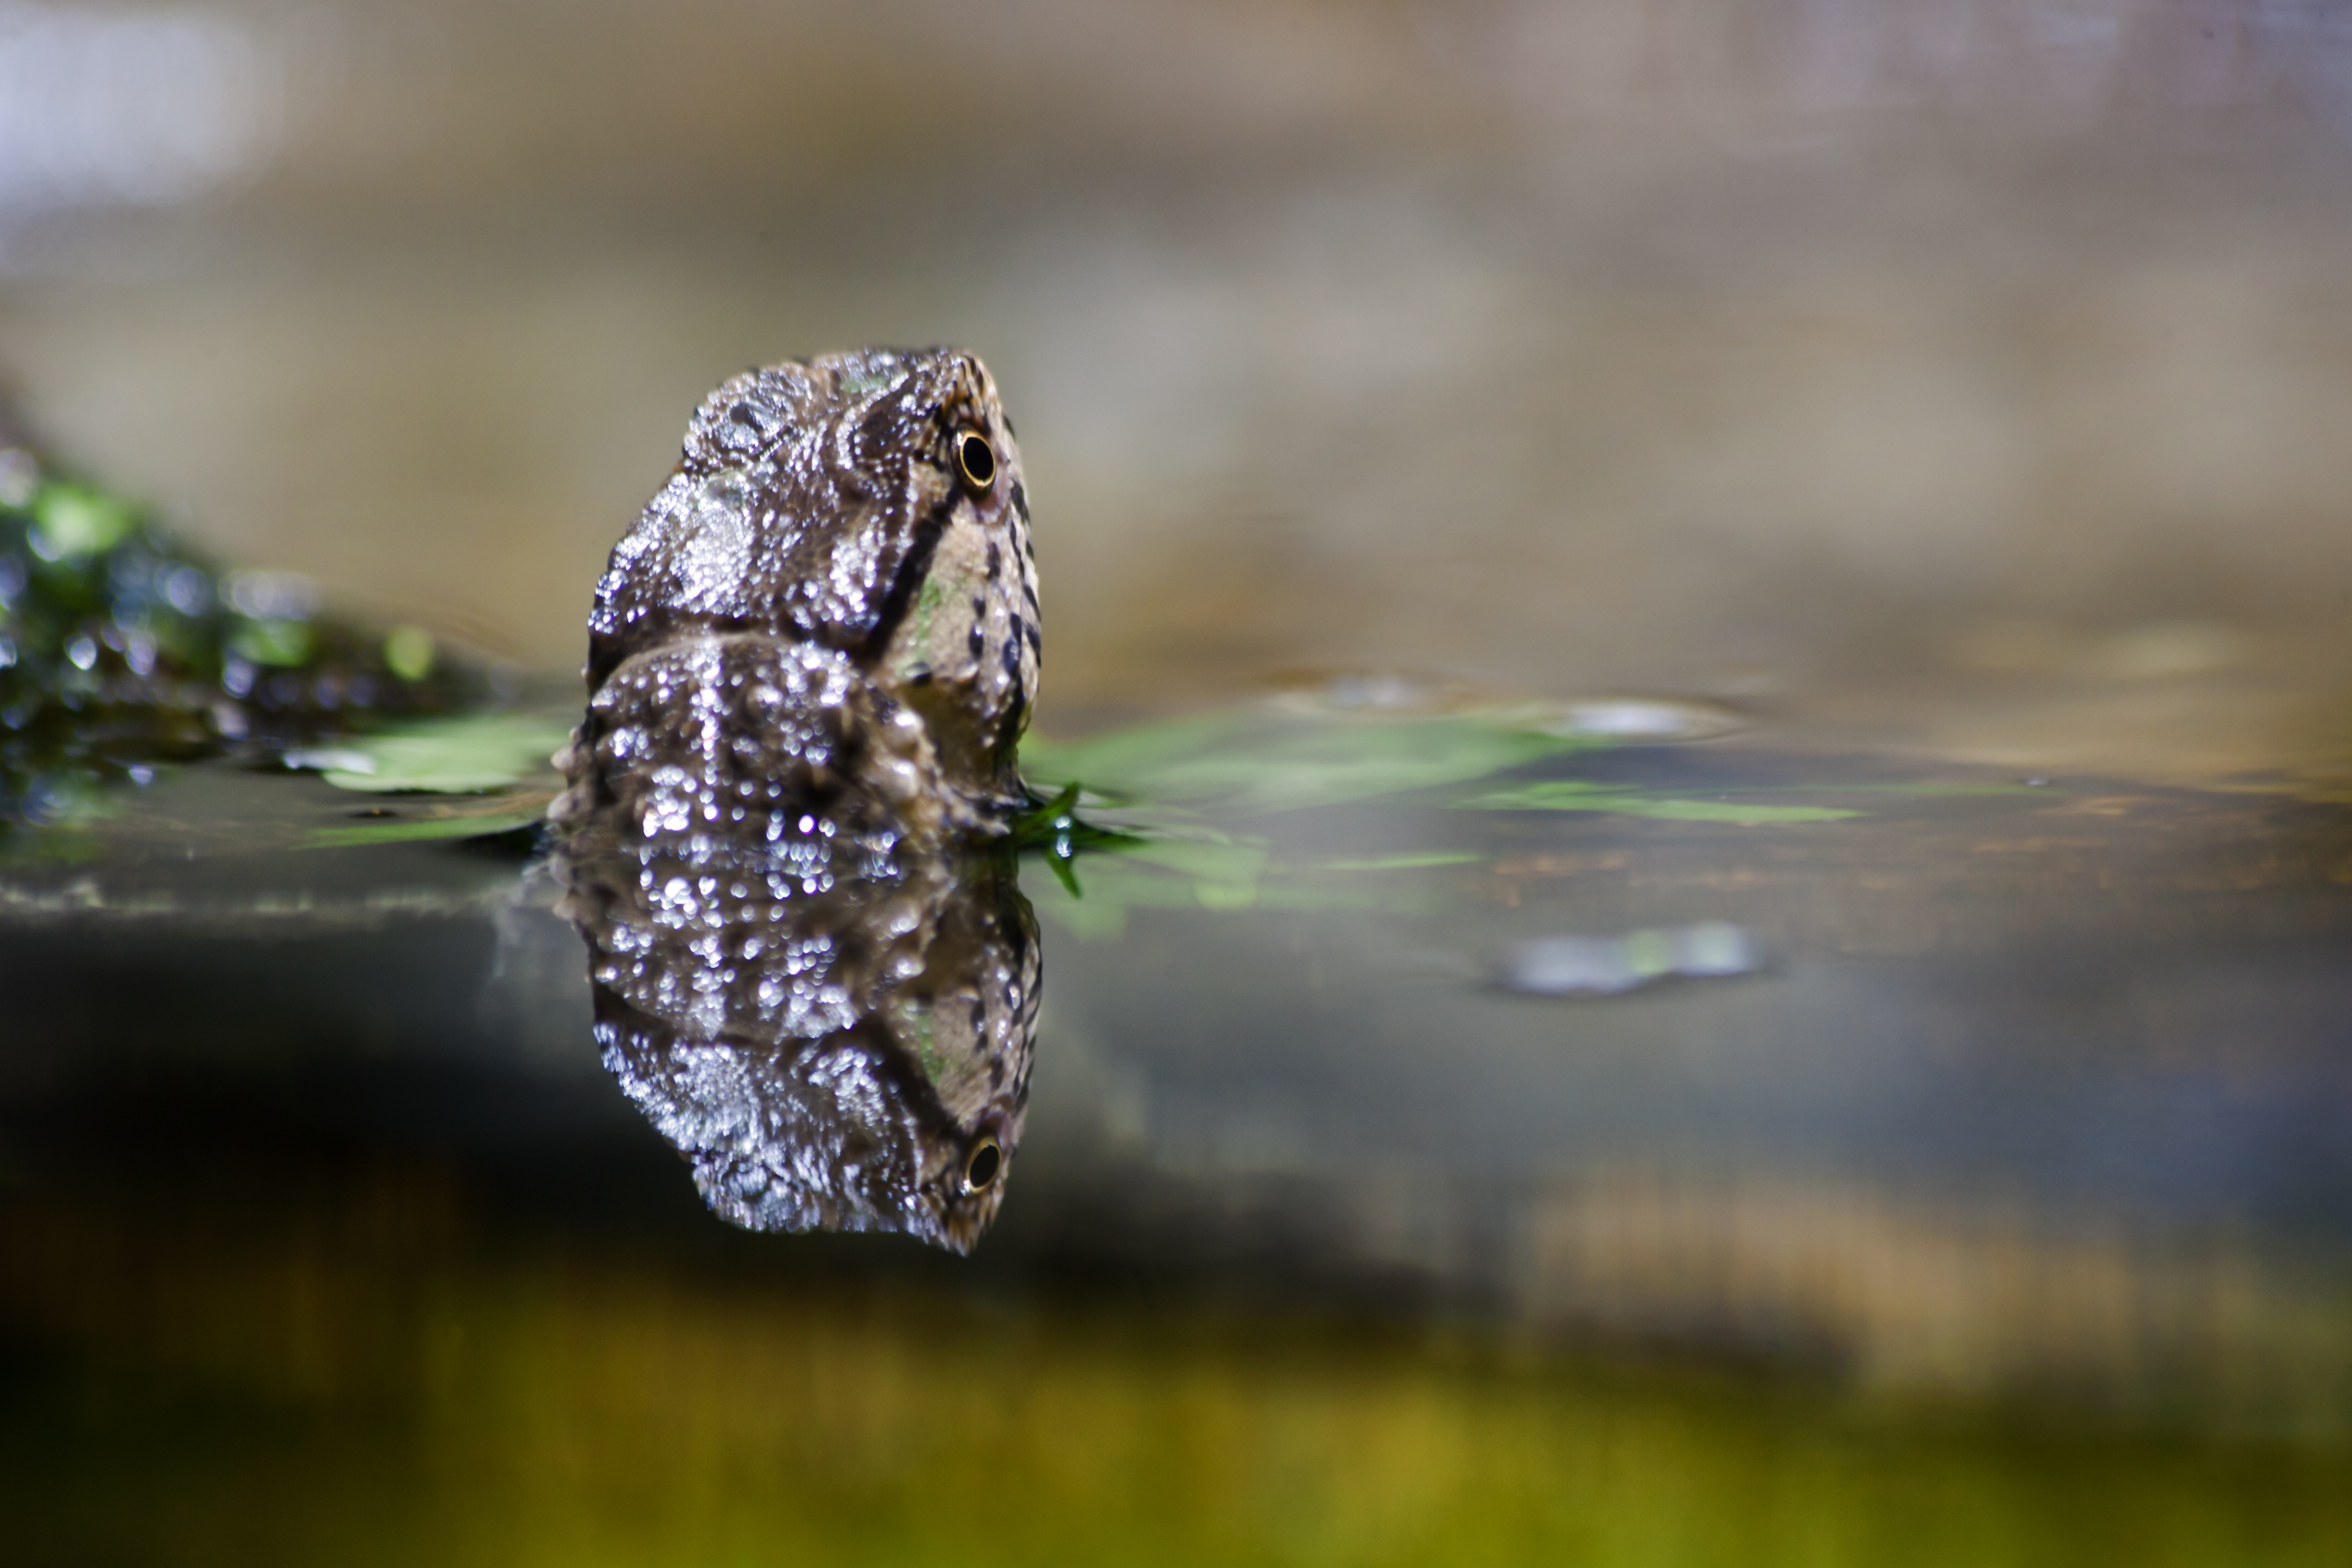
<point>1565,795</point>
<point>1248,764</point>
<point>1931,789</point>
<point>470,754</point>
<point>361,834</point>
<point>1124,759</point>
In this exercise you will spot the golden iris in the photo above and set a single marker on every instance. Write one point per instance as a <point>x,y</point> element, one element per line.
<point>976,460</point>
<point>982,1167</point>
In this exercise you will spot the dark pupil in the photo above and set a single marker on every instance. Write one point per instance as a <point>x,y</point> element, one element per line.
<point>979,466</point>
<point>982,1169</point>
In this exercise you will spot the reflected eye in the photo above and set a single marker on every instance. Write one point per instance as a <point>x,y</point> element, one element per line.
<point>978,463</point>
<point>982,1168</point>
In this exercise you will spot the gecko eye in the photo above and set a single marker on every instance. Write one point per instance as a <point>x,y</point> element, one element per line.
<point>982,1168</point>
<point>975,460</point>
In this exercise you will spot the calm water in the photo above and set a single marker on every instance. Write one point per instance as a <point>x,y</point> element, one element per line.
<point>1881,1090</point>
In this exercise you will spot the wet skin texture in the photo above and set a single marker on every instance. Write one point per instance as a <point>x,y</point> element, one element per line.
<point>809,664</point>
<point>824,505</point>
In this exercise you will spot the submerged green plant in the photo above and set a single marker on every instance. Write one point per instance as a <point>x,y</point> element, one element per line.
<point>1171,803</point>
<point>1052,828</point>
<point>1575,794</point>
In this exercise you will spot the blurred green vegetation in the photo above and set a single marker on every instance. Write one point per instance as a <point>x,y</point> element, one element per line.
<point>373,1393</point>
<point>120,647</point>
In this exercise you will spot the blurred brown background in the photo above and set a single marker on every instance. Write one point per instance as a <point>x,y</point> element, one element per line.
<point>1972,372</point>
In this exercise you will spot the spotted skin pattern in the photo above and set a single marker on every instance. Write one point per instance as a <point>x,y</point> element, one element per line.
<point>810,662</point>
<point>822,502</point>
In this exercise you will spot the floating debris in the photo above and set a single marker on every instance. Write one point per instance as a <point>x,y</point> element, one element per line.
<point>1373,693</point>
<point>1634,720</point>
<point>1609,967</point>
<point>1391,694</point>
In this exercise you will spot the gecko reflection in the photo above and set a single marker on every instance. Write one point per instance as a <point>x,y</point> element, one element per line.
<point>784,834</point>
